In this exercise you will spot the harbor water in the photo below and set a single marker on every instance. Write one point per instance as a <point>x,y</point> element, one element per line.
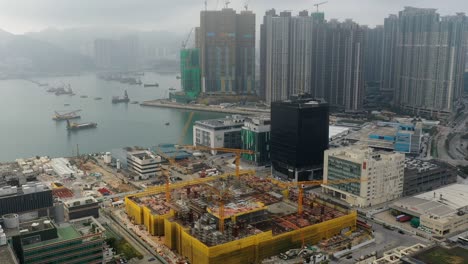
<point>27,128</point>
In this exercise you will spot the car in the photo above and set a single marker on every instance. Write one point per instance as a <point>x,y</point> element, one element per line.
<point>151,259</point>
<point>349,257</point>
<point>401,232</point>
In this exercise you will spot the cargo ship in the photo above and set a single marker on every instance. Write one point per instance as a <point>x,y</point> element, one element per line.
<point>78,126</point>
<point>118,99</point>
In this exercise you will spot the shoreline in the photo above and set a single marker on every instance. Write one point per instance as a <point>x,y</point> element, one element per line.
<point>167,104</point>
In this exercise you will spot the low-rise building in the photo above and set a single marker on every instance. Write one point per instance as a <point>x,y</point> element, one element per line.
<point>423,176</point>
<point>381,175</point>
<point>441,212</point>
<point>255,136</point>
<point>33,199</point>
<point>403,138</point>
<point>143,163</point>
<point>394,256</point>
<point>42,241</point>
<point>219,133</point>
<point>81,207</point>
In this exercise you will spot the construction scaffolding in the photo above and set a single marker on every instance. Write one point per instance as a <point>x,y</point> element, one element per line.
<point>259,219</point>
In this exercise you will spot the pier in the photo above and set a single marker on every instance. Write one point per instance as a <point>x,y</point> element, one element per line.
<point>206,108</point>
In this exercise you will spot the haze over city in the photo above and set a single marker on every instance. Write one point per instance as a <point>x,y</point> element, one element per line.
<point>233,132</point>
<point>178,16</point>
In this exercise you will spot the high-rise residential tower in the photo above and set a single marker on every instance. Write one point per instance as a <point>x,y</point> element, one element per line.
<point>373,53</point>
<point>227,45</point>
<point>430,63</point>
<point>306,55</point>
<point>388,77</point>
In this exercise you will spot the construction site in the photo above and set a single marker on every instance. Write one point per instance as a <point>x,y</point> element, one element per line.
<point>237,219</point>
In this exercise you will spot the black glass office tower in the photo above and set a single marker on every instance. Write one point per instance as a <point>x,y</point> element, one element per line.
<point>299,137</point>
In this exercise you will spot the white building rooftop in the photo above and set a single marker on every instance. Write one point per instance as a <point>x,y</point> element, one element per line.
<point>454,196</point>
<point>334,131</point>
<point>441,202</point>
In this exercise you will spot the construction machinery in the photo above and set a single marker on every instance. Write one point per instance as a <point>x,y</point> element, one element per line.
<point>319,4</point>
<point>66,116</point>
<point>238,153</point>
<point>171,160</point>
<point>223,195</point>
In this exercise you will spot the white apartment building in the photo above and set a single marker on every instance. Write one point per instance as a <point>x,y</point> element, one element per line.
<point>381,175</point>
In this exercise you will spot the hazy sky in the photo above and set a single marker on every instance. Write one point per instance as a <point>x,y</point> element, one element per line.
<point>19,16</point>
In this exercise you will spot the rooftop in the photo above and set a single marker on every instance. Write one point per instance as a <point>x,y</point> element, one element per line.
<point>440,202</point>
<point>420,165</point>
<point>227,122</point>
<point>303,102</point>
<point>334,131</point>
<point>80,201</point>
<point>74,229</point>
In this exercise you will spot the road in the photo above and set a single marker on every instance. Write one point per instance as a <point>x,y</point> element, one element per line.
<point>456,153</point>
<point>138,245</point>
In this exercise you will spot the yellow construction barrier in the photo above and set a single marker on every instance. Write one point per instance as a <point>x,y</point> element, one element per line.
<point>254,248</point>
<point>251,249</point>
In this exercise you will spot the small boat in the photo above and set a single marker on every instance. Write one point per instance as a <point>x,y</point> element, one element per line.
<point>98,98</point>
<point>172,89</point>
<point>167,123</point>
<point>178,77</point>
<point>84,96</point>
<point>134,102</point>
<point>66,104</point>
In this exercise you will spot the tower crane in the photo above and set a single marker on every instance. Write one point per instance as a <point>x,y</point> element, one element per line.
<point>171,160</point>
<point>302,184</point>
<point>238,153</point>
<point>223,196</point>
<point>319,4</point>
<point>246,5</point>
<point>184,43</point>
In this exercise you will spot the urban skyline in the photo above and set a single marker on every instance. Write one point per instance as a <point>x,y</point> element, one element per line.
<point>300,139</point>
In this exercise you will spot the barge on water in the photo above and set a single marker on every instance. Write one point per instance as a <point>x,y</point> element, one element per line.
<point>118,99</point>
<point>66,116</point>
<point>78,126</point>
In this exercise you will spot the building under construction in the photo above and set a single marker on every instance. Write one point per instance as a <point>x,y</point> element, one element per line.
<point>226,220</point>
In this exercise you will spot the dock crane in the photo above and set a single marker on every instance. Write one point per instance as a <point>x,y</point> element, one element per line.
<point>319,4</point>
<point>302,184</point>
<point>226,3</point>
<point>172,160</point>
<point>238,153</point>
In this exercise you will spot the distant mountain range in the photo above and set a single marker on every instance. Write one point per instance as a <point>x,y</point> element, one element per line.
<point>20,54</point>
<point>53,51</point>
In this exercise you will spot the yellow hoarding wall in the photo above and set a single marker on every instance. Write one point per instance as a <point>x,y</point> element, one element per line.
<point>254,248</point>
